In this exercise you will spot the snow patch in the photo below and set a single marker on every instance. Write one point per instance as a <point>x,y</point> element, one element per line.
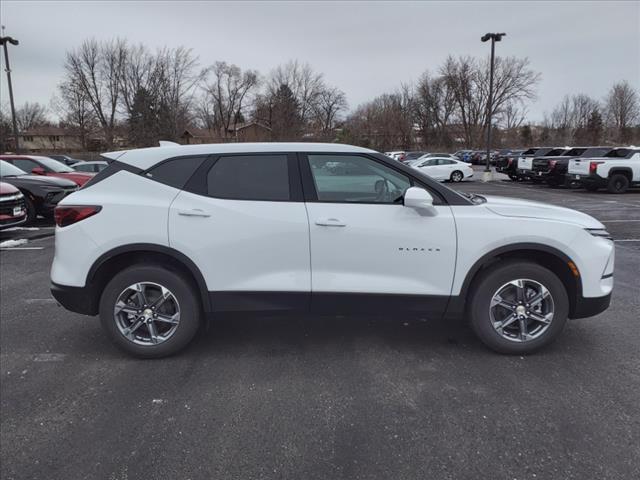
<point>15,229</point>
<point>13,243</point>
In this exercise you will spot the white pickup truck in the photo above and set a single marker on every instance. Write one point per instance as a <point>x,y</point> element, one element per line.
<point>616,171</point>
<point>525,162</point>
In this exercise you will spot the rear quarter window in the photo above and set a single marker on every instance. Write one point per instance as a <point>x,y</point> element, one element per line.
<point>175,172</point>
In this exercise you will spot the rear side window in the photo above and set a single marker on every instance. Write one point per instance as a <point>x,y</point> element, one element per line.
<point>250,177</point>
<point>175,172</point>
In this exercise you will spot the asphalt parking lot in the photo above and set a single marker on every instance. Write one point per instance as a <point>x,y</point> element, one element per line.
<point>322,397</point>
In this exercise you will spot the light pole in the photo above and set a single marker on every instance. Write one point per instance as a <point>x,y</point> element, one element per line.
<point>494,37</point>
<point>4,41</point>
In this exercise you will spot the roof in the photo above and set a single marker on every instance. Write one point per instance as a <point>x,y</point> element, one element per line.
<point>147,157</point>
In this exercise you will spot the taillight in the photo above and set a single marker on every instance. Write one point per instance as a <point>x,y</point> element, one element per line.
<point>66,215</point>
<point>593,166</point>
<point>552,163</point>
<point>509,161</point>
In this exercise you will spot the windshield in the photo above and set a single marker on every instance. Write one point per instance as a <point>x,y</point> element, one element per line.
<point>54,165</point>
<point>574,152</point>
<point>8,170</point>
<point>596,152</point>
<point>556,152</point>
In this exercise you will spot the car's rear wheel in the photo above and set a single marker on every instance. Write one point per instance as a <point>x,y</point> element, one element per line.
<point>518,307</point>
<point>456,176</point>
<point>149,311</point>
<point>618,183</point>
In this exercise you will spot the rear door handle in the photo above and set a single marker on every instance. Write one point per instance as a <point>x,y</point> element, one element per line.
<point>330,222</point>
<point>196,212</point>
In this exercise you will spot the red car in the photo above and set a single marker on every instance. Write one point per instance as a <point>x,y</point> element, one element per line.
<point>12,208</point>
<point>37,165</point>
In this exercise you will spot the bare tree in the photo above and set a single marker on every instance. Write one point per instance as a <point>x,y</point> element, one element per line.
<point>96,69</point>
<point>74,108</point>
<point>227,93</point>
<point>433,109</point>
<point>305,84</point>
<point>622,107</point>
<point>330,104</point>
<point>31,115</point>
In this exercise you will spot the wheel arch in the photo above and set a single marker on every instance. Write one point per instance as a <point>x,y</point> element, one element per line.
<point>626,171</point>
<point>544,255</point>
<point>124,256</point>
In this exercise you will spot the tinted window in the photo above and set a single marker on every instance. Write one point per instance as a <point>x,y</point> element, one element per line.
<point>556,152</point>
<point>175,172</point>
<point>250,177</point>
<point>84,168</point>
<point>9,170</point>
<point>355,179</point>
<point>445,162</point>
<point>25,164</point>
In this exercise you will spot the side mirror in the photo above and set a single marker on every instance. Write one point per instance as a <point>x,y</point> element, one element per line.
<point>420,199</point>
<point>38,171</point>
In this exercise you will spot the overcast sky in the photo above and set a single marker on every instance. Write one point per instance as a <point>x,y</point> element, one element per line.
<point>365,48</point>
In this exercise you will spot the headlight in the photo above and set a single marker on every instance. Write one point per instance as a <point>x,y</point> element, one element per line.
<point>600,232</point>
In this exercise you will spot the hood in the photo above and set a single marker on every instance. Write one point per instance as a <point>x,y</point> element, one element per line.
<point>7,189</point>
<point>37,180</point>
<point>511,207</point>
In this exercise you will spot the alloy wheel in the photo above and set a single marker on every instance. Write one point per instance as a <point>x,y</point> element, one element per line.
<point>521,310</point>
<point>147,313</point>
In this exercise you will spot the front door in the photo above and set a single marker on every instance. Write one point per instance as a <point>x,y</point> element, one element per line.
<point>366,246</point>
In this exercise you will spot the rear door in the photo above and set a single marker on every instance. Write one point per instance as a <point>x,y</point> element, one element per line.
<point>242,220</point>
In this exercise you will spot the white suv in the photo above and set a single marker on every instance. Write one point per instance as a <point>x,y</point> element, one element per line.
<point>165,238</point>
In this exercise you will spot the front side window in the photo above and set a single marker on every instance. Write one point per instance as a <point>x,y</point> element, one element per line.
<point>52,165</point>
<point>356,179</point>
<point>250,177</point>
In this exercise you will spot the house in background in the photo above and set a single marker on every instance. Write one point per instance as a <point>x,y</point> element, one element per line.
<point>49,139</point>
<point>241,132</point>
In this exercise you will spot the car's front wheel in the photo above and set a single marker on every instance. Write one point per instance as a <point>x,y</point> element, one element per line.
<point>149,311</point>
<point>518,307</point>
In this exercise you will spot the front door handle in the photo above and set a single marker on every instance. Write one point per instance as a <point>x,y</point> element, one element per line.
<point>330,222</point>
<point>196,212</point>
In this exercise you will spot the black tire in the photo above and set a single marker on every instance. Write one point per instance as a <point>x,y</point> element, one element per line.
<point>180,287</point>
<point>489,283</point>
<point>590,187</point>
<point>456,176</point>
<point>618,183</point>
<point>32,213</point>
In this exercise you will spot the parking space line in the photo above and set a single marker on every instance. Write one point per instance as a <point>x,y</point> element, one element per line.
<point>628,240</point>
<point>20,248</point>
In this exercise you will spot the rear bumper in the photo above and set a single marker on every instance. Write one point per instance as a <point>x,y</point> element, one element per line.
<point>587,179</point>
<point>75,299</point>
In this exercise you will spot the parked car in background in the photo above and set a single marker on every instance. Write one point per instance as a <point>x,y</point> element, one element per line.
<point>48,167</point>
<point>64,159</point>
<point>397,155</point>
<point>525,161</point>
<point>95,166</point>
<point>409,156</point>
<point>507,163</point>
<point>444,169</point>
<point>464,155</point>
<point>13,211</point>
<point>41,193</point>
<point>169,237</point>
<point>553,169</point>
<point>616,171</point>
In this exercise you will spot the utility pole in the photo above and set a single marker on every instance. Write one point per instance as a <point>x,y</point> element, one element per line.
<point>4,41</point>
<point>494,37</point>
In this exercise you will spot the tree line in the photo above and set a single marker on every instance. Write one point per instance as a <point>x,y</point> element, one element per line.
<point>115,90</point>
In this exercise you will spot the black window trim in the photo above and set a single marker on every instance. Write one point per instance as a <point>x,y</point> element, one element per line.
<point>311,194</point>
<point>198,182</point>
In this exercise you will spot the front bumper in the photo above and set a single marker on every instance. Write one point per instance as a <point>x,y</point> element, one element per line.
<point>590,306</point>
<point>75,299</point>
